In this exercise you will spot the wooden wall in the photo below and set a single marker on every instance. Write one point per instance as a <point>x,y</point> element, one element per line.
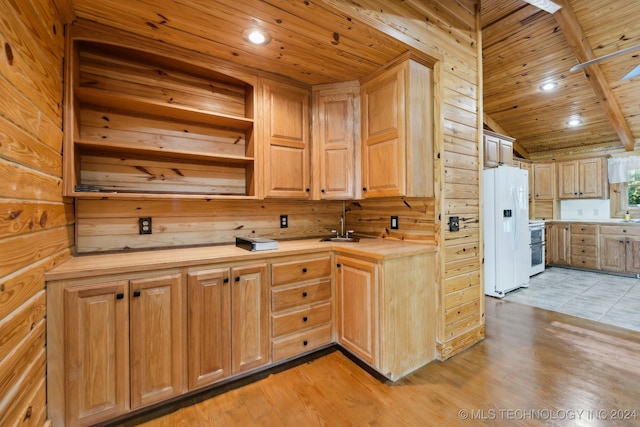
<point>447,29</point>
<point>107,225</point>
<point>36,223</point>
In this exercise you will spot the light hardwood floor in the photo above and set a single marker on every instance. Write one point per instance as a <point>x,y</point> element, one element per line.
<point>536,367</point>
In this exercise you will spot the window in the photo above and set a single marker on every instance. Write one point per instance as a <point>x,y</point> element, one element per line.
<point>633,189</point>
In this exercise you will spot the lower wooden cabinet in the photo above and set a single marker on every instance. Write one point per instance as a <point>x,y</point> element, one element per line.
<point>301,305</point>
<point>620,248</point>
<point>559,243</point>
<point>227,322</point>
<point>122,346</point>
<point>357,301</point>
<point>386,311</point>
<point>584,246</point>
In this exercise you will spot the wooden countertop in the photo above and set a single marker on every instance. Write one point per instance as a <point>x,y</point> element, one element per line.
<point>124,262</point>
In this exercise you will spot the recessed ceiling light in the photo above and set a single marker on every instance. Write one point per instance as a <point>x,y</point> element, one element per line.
<point>574,122</point>
<point>549,86</point>
<point>257,36</point>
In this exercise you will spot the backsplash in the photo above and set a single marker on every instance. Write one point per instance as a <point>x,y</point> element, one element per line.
<point>585,209</point>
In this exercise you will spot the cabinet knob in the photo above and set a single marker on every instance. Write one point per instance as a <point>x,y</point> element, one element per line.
<point>582,228</point>
<point>364,188</point>
<point>307,190</point>
<point>225,280</point>
<point>305,342</point>
<point>338,265</point>
<point>582,240</point>
<point>322,191</point>
<point>136,293</point>
<point>583,251</point>
<point>304,319</point>
<point>624,231</point>
<point>237,279</point>
<point>119,295</point>
<point>304,270</point>
<point>304,295</point>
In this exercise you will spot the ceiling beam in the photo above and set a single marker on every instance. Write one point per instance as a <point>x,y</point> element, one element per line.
<point>572,30</point>
<point>494,126</point>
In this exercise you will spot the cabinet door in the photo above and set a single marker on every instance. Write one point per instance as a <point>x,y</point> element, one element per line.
<point>156,339</point>
<point>334,135</point>
<point>209,327</point>
<point>633,255</point>
<point>506,152</point>
<point>286,141</point>
<point>613,250</point>
<point>96,352</point>
<point>530,171</point>
<point>591,178</point>
<point>383,135</point>
<point>249,318</point>
<point>568,180</point>
<point>491,151</point>
<point>357,302</point>
<point>560,244</point>
<point>543,181</point>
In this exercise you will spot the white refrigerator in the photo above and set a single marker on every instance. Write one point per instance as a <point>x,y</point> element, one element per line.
<point>507,257</point>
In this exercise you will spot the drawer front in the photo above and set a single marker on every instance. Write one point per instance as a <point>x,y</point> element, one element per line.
<point>299,320</point>
<point>621,230</point>
<point>299,271</point>
<point>584,261</point>
<point>301,342</point>
<point>584,229</point>
<point>584,239</point>
<point>294,296</point>
<point>584,251</point>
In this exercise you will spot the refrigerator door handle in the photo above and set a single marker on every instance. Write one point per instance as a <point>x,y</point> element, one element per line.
<point>516,218</point>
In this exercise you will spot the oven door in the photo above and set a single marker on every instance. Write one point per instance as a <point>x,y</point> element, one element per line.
<point>537,258</point>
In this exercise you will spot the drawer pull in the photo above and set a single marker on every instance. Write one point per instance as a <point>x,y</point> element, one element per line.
<point>582,228</point>
<point>119,295</point>
<point>304,319</point>
<point>304,270</point>
<point>582,240</point>
<point>304,295</point>
<point>624,231</point>
<point>136,293</point>
<point>583,251</point>
<point>305,342</point>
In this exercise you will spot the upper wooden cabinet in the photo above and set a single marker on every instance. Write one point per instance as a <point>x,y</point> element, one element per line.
<point>397,132</point>
<point>583,179</point>
<point>336,138</point>
<point>544,181</point>
<point>285,127</point>
<point>139,124</point>
<point>498,150</point>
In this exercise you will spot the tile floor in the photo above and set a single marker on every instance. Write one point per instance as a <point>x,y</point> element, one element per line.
<point>603,297</point>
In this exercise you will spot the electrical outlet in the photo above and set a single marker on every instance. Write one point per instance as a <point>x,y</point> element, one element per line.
<point>454,223</point>
<point>394,223</point>
<point>144,226</point>
<point>284,221</point>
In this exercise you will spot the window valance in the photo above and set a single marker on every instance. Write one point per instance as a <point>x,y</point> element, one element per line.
<point>619,168</point>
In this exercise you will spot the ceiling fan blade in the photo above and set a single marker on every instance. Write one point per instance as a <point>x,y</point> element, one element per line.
<point>604,57</point>
<point>633,73</point>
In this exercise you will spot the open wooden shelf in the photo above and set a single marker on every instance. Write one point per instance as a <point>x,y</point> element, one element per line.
<point>134,104</point>
<point>140,126</point>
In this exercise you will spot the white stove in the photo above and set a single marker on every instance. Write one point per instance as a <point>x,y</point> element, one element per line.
<point>537,245</point>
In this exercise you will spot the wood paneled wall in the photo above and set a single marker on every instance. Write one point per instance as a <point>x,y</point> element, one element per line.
<point>448,30</point>
<point>108,225</point>
<point>36,223</point>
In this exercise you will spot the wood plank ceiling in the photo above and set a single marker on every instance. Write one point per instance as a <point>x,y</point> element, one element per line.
<point>524,47</point>
<point>309,41</point>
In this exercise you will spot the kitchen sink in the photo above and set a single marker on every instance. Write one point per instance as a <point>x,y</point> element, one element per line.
<point>340,239</point>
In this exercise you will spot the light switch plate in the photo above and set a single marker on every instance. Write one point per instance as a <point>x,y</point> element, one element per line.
<point>454,223</point>
<point>284,221</point>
